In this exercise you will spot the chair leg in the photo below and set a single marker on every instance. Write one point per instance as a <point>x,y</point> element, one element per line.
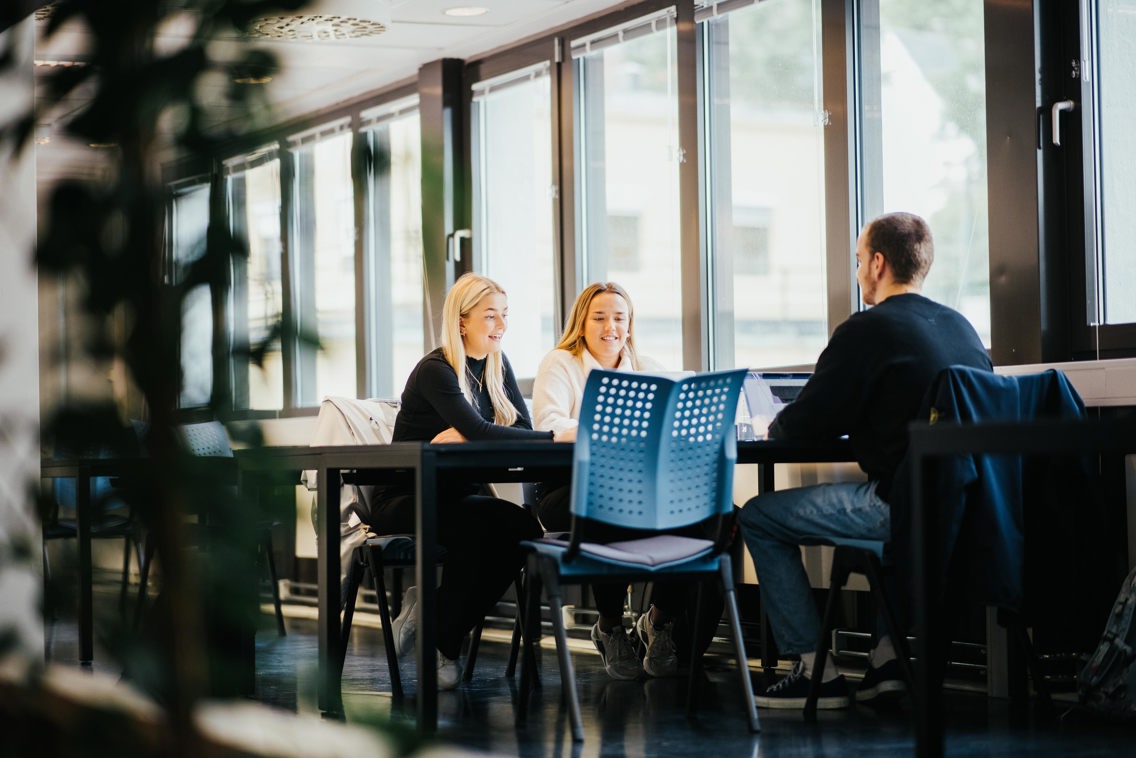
<point>471,656</point>
<point>533,583</point>
<point>876,585</point>
<point>270,559</point>
<point>376,564</point>
<point>518,621</point>
<point>695,657</point>
<point>726,572</point>
<point>143,579</point>
<point>125,589</point>
<point>567,670</point>
<point>838,578</point>
<point>350,594</point>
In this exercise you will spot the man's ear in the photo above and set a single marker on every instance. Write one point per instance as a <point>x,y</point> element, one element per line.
<point>879,263</point>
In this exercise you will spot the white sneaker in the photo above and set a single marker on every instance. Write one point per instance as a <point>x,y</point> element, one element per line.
<point>660,658</point>
<point>405,627</point>
<point>449,672</point>
<point>619,658</point>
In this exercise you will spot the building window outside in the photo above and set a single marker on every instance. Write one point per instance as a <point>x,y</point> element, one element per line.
<point>322,261</point>
<point>628,166</point>
<point>513,198</point>
<point>766,184</point>
<point>1116,152</point>
<point>926,152</point>
<point>188,223</point>
<point>393,270</point>
<point>256,296</point>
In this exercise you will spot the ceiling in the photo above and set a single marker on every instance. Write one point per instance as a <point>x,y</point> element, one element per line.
<point>318,73</point>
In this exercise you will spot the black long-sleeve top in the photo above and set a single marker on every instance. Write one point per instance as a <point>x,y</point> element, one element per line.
<point>871,379</point>
<point>433,402</point>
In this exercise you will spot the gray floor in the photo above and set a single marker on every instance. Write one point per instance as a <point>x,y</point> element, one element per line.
<point>642,718</point>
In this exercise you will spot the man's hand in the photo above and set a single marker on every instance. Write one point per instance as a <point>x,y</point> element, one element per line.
<point>564,435</point>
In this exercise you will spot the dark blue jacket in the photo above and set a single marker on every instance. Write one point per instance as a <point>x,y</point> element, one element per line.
<point>979,510</point>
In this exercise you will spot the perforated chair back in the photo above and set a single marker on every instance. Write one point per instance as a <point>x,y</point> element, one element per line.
<point>655,453</point>
<point>207,439</point>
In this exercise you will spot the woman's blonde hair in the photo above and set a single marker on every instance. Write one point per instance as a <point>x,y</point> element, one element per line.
<point>469,290</point>
<point>573,338</point>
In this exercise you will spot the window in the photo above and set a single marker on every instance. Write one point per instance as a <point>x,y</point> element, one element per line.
<point>513,196</point>
<point>926,151</point>
<point>188,222</point>
<point>628,164</point>
<point>256,297</point>
<point>394,312</point>
<point>322,264</point>
<point>1114,255</point>
<point>766,184</point>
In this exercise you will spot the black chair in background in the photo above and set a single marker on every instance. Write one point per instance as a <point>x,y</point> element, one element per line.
<point>209,439</point>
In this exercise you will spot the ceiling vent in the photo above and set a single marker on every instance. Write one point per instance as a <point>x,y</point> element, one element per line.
<point>328,20</point>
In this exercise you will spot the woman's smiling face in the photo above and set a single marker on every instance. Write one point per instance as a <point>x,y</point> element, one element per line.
<point>484,326</point>
<point>606,328</point>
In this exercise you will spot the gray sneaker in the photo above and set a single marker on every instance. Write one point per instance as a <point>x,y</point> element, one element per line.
<point>405,627</point>
<point>449,672</point>
<point>618,656</point>
<point>660,659</point>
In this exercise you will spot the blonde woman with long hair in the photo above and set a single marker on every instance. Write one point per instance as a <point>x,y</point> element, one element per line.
<point>463,390</point>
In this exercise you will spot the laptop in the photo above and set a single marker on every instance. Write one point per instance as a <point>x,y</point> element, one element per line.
<point>764,394</point>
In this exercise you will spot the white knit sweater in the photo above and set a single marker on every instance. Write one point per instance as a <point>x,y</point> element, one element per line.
<point>559,387</point>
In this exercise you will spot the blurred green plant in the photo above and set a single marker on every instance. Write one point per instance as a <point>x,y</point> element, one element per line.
<point>151,104</point>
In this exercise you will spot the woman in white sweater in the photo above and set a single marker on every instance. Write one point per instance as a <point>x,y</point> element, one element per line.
<point>600,334</point>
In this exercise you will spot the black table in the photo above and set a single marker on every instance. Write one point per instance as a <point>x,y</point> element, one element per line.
<point>426,465</point>
<point>928,443</point>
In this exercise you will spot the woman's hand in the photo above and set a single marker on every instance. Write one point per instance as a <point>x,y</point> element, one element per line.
<point>448,435</point>
<point>564,435</point>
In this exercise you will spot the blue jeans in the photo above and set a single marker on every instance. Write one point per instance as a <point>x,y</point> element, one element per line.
<point>773,525</point>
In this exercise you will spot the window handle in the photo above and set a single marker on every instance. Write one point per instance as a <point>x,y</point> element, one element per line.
<point>1055,118</point>
<point>453,243</point>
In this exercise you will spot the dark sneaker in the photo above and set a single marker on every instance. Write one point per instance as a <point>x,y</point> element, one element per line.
<point>660,659</point>
<point>619,657</point>
<point>883,683</point>
<point>793,691</point>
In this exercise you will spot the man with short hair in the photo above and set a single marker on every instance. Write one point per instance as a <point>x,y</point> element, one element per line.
<point>868,384</point>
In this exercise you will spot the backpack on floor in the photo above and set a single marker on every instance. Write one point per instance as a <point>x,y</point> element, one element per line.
<point>1107,683</point>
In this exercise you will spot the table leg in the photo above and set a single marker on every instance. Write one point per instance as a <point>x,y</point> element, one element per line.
<point>86,608</point>
<point>929,633</point>
<point>426,529</point>
<point>330,675</point>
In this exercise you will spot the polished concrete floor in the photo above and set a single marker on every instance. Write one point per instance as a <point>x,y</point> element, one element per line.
<point>641,718</point>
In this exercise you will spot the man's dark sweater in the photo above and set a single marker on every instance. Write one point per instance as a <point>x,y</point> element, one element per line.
<point>871,379</point>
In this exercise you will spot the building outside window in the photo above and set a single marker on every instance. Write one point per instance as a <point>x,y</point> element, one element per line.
<point>513,197</point>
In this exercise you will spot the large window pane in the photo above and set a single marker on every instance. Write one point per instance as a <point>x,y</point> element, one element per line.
<point>766,187</point>
<point>254,212</point>
<point>629,192</point>
<point>1116,30</point>
<point>513,208</point>
<point>393,251</point>
<point>323,262</point>
<point>929,146</point>
<point>189,220</point>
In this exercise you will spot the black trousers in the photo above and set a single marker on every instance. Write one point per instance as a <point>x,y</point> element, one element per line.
<point>675,598</point>
<point>481,536</point>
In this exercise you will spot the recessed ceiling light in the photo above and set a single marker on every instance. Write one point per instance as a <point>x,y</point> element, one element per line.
<point>466,10</point>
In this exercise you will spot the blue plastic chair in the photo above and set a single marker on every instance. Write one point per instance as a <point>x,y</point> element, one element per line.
<point>652,454</point>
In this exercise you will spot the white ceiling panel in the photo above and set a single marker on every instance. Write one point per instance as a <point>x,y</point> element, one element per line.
<point>317,74</point>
